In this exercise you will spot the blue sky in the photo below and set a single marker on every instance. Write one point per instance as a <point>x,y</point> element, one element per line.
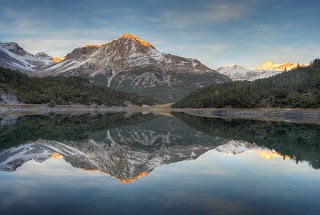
<point>215,32</point>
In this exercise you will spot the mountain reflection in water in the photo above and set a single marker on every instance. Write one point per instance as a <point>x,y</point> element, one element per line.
<point>129,147</point>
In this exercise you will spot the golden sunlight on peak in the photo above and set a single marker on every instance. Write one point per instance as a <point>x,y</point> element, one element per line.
<point>268,154</point>
<point>56,155</point>
<point>127,181</point>
<point>57,59</point>
<point>123,181</point>
<point>128,36</point>
<point>131,36</point>
<point>92,46</point>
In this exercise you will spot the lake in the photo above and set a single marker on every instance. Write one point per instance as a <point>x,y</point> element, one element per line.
<point>140,163</point>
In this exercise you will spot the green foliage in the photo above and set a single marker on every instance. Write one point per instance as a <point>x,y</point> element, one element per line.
<point>64,90</point>
<point>299,88</point>
<point>299,141</point>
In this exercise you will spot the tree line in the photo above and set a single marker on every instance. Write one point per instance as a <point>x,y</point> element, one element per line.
<point>63,90</point>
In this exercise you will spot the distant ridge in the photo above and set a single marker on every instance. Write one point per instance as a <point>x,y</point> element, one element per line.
<point>269,65</point>
<point>265,70</point>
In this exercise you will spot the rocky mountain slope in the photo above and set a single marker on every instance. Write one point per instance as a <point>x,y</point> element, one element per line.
<point>13,56</point>
<point>133,65</point>
<point>265,70</point>
<point>239,73</point>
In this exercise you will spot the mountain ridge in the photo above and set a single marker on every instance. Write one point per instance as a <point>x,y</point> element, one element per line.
<point>269,65</point>
<point>265,70</point>
<point>13,56</point>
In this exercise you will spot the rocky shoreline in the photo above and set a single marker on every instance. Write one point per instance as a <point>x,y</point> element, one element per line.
<point>265,114</point>
<point>38,109</point>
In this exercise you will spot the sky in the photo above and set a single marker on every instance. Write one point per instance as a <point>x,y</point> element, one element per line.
<point>216,32</point>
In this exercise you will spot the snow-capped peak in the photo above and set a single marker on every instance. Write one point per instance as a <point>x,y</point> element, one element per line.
<point>232,70</point>
<point>269,65</point>
<point>14,48</point>
<point>234,66</point>
<point>265,70</point>
<point>239,73</point>
<point>14,56</point>
<point>43,56</point>
<point>10,45</point>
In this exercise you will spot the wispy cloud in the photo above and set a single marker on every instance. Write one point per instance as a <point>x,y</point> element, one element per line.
<point>210,14</point>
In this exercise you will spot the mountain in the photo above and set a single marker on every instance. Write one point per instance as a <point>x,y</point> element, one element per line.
<point>297,88</point>
<point>269,65</point>
<point>265,70</point>
<point>15,57</point>
<point>124,53</point>
<point>131,64</point>
<point>45,57</point>
<point>239,73</point>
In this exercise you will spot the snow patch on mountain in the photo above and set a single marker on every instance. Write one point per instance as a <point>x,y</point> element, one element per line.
<point>265,70</point>
<point>14,57</point>
<point>235,147</point>
<point>239,73</point>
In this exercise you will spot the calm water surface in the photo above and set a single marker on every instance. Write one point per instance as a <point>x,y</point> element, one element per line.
<point>145,164</point>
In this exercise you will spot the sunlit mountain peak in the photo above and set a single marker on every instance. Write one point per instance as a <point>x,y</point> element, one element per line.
<point>269,65</point>
<point>127,181</point>
<point>131,36</point>
<point>269,154</point>
<point>56,155</point>
<point>57,59</point>
<point>235,147</point>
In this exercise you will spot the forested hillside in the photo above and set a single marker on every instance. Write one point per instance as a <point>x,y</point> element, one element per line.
<point>63,90</point>
<point>297,88</point>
